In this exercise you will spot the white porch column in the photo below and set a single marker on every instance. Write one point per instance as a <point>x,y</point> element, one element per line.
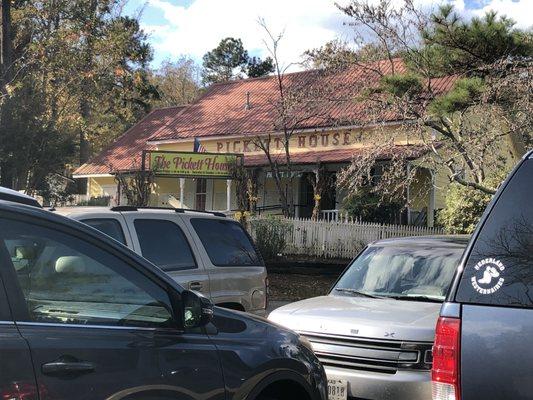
<point>182,191</point>
<point>88,188</point>
<point>228,195</point>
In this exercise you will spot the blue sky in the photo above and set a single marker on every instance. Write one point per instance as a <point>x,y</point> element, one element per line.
<point>193,27</point>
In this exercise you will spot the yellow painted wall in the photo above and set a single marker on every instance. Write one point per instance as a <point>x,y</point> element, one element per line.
<point>219,194</point>
<point>95,185</point>
<point>419,190</point>
<point>442,183</point>
<point>163,188</point>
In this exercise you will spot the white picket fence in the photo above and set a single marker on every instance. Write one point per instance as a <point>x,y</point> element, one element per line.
<point>344,239</point>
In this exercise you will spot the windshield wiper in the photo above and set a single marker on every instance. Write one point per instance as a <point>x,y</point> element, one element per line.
<point>417,298</point>
<point>357,292</point>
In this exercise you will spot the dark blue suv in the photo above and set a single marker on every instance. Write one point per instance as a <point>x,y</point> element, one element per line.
<point>82,317</point>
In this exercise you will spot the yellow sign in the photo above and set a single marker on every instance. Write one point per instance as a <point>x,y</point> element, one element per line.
<point>191,164</point>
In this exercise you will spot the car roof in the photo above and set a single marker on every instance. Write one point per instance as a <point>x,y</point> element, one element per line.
<point>424,241</point>
<point>37,212</point>
<point>17,210</point>
<point>76,211</point>
<point>17,197</point>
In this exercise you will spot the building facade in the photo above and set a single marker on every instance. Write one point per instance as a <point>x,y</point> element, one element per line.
<point>235,118</point>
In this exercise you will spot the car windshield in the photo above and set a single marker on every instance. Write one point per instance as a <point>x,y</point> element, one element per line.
<point>403,273</point>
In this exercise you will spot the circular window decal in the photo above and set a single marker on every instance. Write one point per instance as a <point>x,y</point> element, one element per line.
<point>488,276</point>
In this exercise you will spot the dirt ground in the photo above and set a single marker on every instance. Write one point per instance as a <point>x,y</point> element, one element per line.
<point>293,284</point>
<point>294,287</point>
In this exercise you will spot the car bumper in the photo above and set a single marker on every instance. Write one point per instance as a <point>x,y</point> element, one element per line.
<point>403,385</point>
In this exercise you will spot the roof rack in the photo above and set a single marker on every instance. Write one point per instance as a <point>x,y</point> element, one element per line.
<point>178,210</point>
<point>16,197</point>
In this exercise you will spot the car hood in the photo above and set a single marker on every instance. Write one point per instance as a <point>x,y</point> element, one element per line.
<point>361,317</point>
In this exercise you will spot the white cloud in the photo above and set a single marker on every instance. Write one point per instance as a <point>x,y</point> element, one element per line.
<point>520,11</point>
<point>196,29</point>
<point>199,27</point>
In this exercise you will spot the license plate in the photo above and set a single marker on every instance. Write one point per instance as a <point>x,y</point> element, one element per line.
<point>337,389</point>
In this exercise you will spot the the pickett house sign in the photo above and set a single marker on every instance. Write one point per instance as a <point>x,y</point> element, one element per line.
<point>188,164</point>
<point>313,141</point>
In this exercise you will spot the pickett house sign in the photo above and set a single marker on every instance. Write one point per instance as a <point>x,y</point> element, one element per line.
<point>187,164</point>
<point>322,140</point>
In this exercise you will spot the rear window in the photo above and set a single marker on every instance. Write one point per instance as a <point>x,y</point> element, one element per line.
<point>226,242</point>
<point>109,226</point>
<point>164,243</point>
<point>499,270</point>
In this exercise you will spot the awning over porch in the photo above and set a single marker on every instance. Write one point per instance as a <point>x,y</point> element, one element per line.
<point>330,156</point>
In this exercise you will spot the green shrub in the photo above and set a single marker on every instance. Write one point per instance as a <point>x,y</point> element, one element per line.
<point>369,207</point>
<point>270,235</point>
<point>464,205</point>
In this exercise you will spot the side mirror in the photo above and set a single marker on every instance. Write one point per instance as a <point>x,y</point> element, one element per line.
<point>197,309</point>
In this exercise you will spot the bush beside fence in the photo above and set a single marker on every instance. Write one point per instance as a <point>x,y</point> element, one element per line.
<point>323,239</point>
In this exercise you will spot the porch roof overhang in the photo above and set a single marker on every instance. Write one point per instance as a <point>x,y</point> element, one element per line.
<point>331,156</point>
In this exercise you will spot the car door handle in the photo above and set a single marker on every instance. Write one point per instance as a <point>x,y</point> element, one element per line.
<point>67,366</point>
<point>195,285</point>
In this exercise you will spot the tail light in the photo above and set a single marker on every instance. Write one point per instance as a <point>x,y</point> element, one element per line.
<point>446,357</point>
<point>21,391</point>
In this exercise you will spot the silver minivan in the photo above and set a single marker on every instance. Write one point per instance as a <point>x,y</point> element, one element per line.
<point>202,251</point>
<point>374,332</point>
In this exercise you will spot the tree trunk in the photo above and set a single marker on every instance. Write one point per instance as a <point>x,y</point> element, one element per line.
<point>290,194</point>
<point>6,75</point>
<point>6,46</point>
<point>318,183</point>
<point>281,192</point>
<point>84,103</point>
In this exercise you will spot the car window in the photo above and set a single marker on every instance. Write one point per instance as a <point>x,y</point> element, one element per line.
<point>109,226</point>
<point>499,269</point>
<point>164,243</point>
<point>226,242</point>
<point>415,272</point>
<point>65,279</point>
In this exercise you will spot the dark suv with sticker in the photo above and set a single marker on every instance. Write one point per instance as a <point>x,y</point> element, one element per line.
<point>82,316</point>
<point>484,337</point>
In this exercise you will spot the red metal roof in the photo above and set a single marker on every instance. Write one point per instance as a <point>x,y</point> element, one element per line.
<point>125,152</point>
<point>325,100</point>
<point>329,100</point>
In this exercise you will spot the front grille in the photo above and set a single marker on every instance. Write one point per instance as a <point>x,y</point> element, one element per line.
<point>385,356</point>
